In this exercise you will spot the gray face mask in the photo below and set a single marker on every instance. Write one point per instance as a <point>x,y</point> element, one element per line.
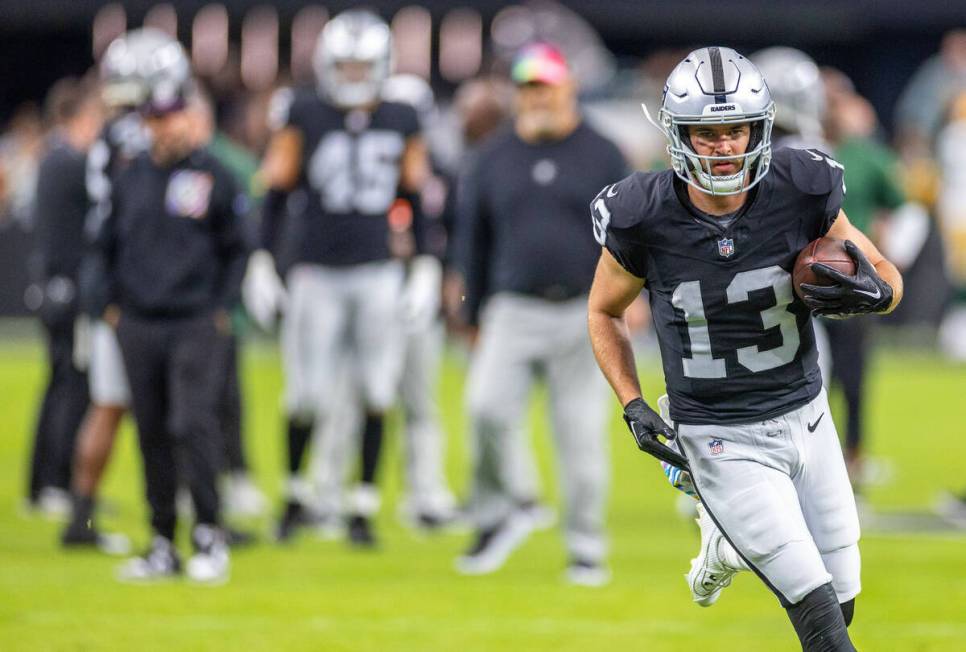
<point>359,37</point>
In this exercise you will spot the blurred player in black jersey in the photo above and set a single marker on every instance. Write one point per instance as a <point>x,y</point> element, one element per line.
<point>337,161</point>
<point>122,138</point>
<point>714,242</point>
<point>174,256</point>
<point>59,213</point>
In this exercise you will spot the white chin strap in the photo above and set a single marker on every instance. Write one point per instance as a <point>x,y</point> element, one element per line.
<point>714,184</point>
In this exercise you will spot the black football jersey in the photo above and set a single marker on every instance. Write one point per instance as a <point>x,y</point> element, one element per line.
<point>121,140</point>
<point>351,164</point>
<point>736,342</point>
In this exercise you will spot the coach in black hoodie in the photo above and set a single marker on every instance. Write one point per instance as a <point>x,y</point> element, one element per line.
<point>174,256</point>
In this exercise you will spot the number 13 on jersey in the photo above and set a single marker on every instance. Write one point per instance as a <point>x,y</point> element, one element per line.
<point>701,363</point>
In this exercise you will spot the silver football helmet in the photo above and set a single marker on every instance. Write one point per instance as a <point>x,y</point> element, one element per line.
<point>167,75</point>
<point>122,84</point>
<point>353,58</point>
<point>716,85</point>
<point>796,86</point>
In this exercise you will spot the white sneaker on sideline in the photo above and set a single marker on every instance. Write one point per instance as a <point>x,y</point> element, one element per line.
<point>494,546</point>
<point>211,562</point>
<point>586,573</point>
<point>159,562</point>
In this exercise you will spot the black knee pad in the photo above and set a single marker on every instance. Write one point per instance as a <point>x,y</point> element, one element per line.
<point>848,610</point>
<point>819,622</point>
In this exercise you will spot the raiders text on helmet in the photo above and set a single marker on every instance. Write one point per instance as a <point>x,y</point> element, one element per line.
<point>716,85</point>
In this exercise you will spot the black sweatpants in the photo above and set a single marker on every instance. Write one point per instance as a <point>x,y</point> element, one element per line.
<point>61,412</point>
<point>848,345</point>
<point>175,370</point>
<point>230,411</point>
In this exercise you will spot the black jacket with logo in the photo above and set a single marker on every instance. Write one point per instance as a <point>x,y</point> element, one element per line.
<point>174,244</point>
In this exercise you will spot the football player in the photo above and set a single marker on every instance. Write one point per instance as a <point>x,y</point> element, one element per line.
<point>122,138</point>
<point>336,161</point>
<point>714,241</point>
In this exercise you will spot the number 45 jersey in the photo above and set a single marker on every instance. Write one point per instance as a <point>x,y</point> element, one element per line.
<point>351,164</point>
<point>736,342</point>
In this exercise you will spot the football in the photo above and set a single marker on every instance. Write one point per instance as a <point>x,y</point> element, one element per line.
<point>829,251</point>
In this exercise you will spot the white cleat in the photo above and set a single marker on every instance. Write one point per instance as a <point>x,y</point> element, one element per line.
<point>710,572</point>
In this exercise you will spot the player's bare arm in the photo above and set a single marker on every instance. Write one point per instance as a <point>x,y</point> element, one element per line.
<point>283,160</point>
<point>614,289</point>
<point>414,170</point>
<point>843,229</point>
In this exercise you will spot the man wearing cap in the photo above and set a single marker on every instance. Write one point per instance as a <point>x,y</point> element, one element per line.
<point>528,263</point>
<point>174,256</point>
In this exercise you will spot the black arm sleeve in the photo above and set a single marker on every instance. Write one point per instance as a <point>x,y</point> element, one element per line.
<point>473,241</point>
<point>272,219</point>
<point>232,241</point>
<point>97,275</point>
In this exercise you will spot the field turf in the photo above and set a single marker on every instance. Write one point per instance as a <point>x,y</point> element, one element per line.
<point>319,595</point>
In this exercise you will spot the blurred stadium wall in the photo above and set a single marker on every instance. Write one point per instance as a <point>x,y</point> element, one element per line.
<point>878,43</point>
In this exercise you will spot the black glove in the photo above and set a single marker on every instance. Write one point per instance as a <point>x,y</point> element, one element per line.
<point>851,295</point>
<point>646,425</point>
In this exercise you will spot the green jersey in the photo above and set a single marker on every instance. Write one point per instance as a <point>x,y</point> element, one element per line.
<point>871,179</point>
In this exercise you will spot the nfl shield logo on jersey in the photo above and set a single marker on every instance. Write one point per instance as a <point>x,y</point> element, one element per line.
<point>717,448</point>
<point>726,247</point>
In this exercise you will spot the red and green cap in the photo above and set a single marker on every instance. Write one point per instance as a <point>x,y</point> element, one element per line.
<point>539,63</point>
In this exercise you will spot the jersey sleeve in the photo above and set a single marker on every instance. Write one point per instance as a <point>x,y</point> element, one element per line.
<point>232,239</point>
<point>408,121</point>
<point>285,109</point>
<point>817,174</point>
<point>616,213</point>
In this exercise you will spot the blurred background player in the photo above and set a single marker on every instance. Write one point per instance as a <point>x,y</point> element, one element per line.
<point>122,138</point>
<point>528,261</point>
<point>874,195</point>
<point>74,114</point>
<point>241,496</point>
<point>174,256</point>
<point>419,225</point>
<point>342,154</point>
<point>429,503</point>
<point>804,119</point>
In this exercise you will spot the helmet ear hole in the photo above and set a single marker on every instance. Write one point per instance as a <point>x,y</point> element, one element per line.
<point>685,135</point>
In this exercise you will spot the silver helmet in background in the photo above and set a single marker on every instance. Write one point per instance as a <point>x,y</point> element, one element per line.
<point>353,58</point>
<point>716,85</point>
<point>796,86</point>
<point>168,80</point>
<point>122,80</point>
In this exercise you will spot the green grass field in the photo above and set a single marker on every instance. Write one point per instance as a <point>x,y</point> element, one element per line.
<point>319,595</point>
